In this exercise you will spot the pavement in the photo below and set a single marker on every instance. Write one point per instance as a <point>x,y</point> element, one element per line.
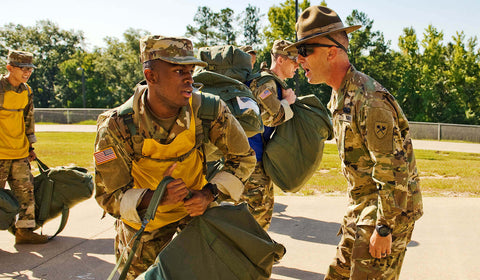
<point>444,245</point>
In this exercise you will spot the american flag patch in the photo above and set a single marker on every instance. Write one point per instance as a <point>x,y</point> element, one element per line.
<point>105,156</point>
<point>266,93</point>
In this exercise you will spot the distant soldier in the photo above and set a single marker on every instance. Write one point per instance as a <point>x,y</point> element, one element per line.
<point>168,140</point>
<point>375,149</point>
<point>274,98</point>
<point>17,134</point>
<point>251,52</point>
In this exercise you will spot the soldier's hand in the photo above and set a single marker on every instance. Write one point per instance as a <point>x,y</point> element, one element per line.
<point>199,202</point>
<point>176,190</point>
<point>380,247</point>
<point>32,155</point>
<point>289,95</point>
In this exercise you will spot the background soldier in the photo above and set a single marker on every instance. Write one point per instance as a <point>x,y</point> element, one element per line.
<point>274,99</point>
<point>375,149</point>
<point>17,134</point>
<point>251,52</point>
<point>129,167</point>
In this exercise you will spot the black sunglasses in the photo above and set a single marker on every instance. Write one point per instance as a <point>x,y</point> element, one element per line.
<point>307,49</point>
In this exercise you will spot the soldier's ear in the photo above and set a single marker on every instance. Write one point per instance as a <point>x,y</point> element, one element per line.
<point>149,75</point>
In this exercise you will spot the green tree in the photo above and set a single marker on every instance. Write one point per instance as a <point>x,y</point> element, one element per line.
<point>226,34</point>
<point>203,32</point>
<point>51,46</point>
<point>251,25</point>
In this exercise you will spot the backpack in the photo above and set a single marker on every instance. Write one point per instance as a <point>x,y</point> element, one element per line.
<point>56,190</point>
<point>294,152</point>
<point>236,95</point>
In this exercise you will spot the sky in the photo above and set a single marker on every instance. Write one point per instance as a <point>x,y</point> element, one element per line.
<point>101,18</point>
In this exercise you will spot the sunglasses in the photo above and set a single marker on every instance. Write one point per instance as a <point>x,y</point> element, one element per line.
<point>307,49</point>
<point>26,69</point>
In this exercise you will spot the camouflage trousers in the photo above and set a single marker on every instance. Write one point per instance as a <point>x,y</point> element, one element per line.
<point>258,194</point>
<point>353,260</point>
<point>17,173</point>
<point>151,244</point>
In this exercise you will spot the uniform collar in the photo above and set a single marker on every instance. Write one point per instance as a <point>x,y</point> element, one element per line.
<point>337,99</point>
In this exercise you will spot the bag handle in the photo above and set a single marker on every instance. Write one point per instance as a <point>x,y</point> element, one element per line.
<point>149,215</point>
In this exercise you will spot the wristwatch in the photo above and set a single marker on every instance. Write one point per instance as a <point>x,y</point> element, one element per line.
<point>213,189</point>
<point>383,230</point>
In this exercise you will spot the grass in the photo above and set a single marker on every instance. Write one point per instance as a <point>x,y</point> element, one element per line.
<point>441,173</point>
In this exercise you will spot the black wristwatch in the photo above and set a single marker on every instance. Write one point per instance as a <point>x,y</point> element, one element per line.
<point>213,189</point>
<point>383,230</point>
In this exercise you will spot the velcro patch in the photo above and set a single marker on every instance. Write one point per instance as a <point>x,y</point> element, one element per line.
<point>105,155</point>
<point>266,93</point>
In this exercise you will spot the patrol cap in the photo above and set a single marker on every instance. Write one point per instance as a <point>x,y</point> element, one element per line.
<point>20,59</point>
<point>248,49</point>
<point>176,50</point>
<point>279,47</point>
<point>318,21</point>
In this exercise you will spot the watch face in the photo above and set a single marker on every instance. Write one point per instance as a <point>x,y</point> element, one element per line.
<point>383,230</point>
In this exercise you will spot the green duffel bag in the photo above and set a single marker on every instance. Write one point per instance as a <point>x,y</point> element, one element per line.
<point>224,243</point>
<point>236,95</point>
<point>295,151</point>
<point>59,189</point>
<point>9,208</point>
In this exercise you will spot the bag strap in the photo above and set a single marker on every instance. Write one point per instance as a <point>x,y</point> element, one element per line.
<point>47,200</point>
<point>149,215</point>
<point>208,112</point>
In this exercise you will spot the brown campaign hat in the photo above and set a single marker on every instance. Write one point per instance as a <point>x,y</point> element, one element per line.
<point>317,21</point>
<point>174,50</point>
<point>20,59</point>
<point>279,47</point>
<point>248,49</point>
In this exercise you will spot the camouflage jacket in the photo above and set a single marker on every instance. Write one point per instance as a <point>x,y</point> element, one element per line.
<point>28,111</point>
<point>114,180</point>
<point>265,89</point>
<point>376,152</point>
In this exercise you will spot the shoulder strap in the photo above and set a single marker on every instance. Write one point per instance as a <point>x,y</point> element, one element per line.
<point>126,112</point>
<point>208,112</point>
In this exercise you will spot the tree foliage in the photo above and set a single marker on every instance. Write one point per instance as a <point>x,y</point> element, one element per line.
<point>434,79</point>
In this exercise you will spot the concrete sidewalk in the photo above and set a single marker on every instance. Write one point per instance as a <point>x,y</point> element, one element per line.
<point>445,242</point>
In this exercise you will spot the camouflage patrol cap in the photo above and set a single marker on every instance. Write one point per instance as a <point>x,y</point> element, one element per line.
<point>20,59</point>
<point>248,49</point>
<point>174,50</point>
<point>279,47</point>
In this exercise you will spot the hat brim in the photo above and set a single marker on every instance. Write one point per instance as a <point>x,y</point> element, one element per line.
<point>185,60</point>
<point>23,65</point>
<point>347,30</point>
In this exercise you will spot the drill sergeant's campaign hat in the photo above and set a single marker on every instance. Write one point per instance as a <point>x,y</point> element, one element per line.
<point>175,50</point>
<point>279,47</point>
<point>319,21</point>
<point>248,49</point>
<point>20,59</point>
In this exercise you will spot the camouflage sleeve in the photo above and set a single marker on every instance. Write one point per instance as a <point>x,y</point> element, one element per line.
<point>112,165</point>
<point>228,136</point>
<point>29,119</point>
<point>391,168</point>
<point>272,111</point>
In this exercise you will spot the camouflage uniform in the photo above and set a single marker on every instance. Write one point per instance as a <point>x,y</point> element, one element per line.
<point>259,192</point>
<point>19,130</point>
<point>115,183</point>
<point>378,162</point>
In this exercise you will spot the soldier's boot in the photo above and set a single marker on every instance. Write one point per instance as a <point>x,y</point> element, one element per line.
<point>27,236</point>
